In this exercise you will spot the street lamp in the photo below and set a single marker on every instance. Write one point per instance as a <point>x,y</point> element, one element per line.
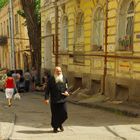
<point>11,28</point>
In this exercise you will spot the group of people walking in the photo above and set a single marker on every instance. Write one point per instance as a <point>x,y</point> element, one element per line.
<point>56,92</point>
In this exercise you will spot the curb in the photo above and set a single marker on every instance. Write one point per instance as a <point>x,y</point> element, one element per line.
<point>107,108</point>
<point>10,129</point>
<point>118,111</point>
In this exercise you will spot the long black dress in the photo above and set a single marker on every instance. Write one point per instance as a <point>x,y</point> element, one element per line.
<point>58,101</point>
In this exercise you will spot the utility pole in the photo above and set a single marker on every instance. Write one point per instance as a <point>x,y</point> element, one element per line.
<point>11,21</point>
<point>106,37</point>
<point>56,32</point>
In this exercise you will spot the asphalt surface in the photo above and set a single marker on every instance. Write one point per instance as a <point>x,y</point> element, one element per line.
<point>29,119</point>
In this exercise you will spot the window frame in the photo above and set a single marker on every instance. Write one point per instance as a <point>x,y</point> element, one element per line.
<point>16,24</point>
<point>122,38</point>
<point>79,28</point>
<point>98,21</point>
<point>64,33</point>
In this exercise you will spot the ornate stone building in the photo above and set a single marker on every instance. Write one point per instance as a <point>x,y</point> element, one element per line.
<point>21,41</point>
<point>96,42</point>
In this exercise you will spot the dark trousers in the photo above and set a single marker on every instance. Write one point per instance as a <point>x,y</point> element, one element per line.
<point>27,85</point>
<point>59,114</point>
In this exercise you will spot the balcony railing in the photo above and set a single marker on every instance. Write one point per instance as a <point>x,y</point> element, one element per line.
<point>78,53</point>
<point>3,40</point>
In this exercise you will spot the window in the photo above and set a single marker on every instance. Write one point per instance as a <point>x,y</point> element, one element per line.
<point>65,33</point>
<point>16,24</point>
<point>4,28</point>
<point>79,39</point>
<point>80,28</point>
<point>98,30</point>
<point>1,29</point>
<point>126,26</point>
<point>130,22</point>
<point>7,27</point>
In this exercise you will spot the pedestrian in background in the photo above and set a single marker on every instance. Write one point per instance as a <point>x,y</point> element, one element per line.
<point>27,78</point>
<point>45,78</point>
<point>10,86</point>
<point>57,90</point>
<point>14,75</point>
<point>34,78</point>
<point>18,77</point>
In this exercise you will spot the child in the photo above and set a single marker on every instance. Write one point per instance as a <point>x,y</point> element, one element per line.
<point>10,86</point>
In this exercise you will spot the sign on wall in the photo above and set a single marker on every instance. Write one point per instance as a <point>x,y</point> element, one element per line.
<point>124,66</point>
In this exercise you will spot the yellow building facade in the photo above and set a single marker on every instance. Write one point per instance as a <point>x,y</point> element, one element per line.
<point>96,42</point>
<point>21,41</point>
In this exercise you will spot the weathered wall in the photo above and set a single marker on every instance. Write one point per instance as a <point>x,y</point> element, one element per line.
<point>121,66</point>
<point>20,43</point>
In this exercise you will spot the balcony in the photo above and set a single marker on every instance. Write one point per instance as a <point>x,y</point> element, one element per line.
<point>3,40</point>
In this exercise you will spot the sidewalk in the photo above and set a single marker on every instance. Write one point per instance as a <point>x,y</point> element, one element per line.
<point>7,116</point>
<point>7,119</point>
<point>101,102</point>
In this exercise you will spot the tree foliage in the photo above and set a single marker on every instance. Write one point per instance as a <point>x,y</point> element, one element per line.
<point>2,3</point>
<point>31,12</point>
<point>36,11</point>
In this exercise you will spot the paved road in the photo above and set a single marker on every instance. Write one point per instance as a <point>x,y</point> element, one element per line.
<point>33,122</point>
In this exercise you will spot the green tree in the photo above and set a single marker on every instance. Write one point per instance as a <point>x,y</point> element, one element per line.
<point>2,3</point>
<point>31,12</point>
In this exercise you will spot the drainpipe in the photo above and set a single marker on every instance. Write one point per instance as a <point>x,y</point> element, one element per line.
<point>11,27</point>
<point>105,57</point>
<point>56,33</point>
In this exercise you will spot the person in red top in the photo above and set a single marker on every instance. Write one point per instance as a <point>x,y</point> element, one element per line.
<point>9,85</point>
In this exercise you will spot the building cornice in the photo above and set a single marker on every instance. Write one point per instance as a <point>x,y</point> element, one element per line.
<point>52,5</point>
<point>47,7</point>
<point>60,2</point>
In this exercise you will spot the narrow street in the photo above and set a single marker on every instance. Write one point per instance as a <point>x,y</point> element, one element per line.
<point>33,122</point>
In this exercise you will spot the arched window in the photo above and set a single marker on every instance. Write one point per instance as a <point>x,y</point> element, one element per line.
<point>98,30</point>
<point>65,33</point>
<point>80,28</point>
<point>79,38</point>
<point>126,26</point>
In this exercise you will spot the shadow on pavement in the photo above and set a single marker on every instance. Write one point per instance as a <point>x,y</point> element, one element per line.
<point>34,131</point>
